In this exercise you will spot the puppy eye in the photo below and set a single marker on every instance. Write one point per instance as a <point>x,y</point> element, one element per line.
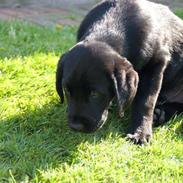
<point>95,94</point>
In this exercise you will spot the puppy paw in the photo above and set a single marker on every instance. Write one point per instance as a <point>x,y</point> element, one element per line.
<point>140,136</point>
<point>159,116</point>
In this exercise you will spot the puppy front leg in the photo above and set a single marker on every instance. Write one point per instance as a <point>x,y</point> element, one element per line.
<point>150,82</point>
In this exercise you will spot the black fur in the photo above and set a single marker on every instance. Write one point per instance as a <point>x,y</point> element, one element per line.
<point>133,50</point>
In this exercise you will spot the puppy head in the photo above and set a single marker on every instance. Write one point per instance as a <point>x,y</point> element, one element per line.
<point>92,75</point>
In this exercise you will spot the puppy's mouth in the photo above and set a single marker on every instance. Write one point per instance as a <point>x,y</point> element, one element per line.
<point>103,120</point>
<point>101,123</point>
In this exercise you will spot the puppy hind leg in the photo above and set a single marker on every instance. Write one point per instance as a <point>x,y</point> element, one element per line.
<point>164,112</point>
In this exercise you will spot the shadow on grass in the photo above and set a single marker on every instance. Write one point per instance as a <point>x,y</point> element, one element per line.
<point>41,138</point>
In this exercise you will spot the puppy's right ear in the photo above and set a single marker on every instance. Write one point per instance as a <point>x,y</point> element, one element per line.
<point>125,80</point>
<point>59,76</point>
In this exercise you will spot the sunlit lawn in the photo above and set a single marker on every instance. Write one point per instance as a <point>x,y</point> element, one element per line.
<point>35,143</point>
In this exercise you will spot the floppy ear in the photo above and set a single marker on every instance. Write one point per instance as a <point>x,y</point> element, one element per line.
<point>59,75</point>
<point>125,80</point>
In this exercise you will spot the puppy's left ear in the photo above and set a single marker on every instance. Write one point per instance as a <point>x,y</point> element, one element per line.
<point>125,80</point>
<point>59,76</point>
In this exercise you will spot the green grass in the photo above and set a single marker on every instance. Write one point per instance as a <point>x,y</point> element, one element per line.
<point>179,12</point>
<point>36,144</point>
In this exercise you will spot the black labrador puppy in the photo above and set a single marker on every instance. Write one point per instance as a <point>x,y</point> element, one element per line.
<point>128,50</point>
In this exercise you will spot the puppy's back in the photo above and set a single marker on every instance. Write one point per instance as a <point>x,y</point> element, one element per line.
<point>95,15</point>
<point>134,28</point>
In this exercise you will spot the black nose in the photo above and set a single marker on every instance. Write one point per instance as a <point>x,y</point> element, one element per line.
<point>78,126</point>
<point>81,124</point>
